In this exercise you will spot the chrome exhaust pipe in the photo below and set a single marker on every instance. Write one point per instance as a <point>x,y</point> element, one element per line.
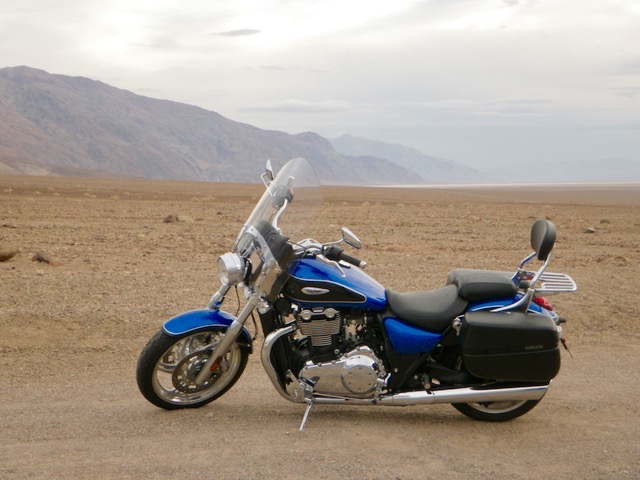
<point>298,393</point>
<point>452,395</point>
<point>465,395</point>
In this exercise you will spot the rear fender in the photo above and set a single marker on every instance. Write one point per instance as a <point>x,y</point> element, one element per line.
<point>492,304</point>
<point>197,319</point>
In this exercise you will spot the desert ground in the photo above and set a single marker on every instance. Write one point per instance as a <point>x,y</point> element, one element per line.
<point>108,270</point>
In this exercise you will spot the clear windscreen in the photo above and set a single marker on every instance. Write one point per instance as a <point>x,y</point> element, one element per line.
<point>297,189</point>
<point>287,211</point>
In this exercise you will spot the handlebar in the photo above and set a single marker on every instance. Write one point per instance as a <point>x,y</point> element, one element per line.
<point>336,253</point>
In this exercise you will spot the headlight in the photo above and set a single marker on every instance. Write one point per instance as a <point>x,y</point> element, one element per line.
<point>231,268</point>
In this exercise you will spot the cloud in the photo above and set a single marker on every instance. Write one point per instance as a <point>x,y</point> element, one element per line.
<point>503,107</point>
<point>629,92</point>
<point>274,68</point>
<point>301,106</point>
<point>473,80</point>
<point>242,32</point>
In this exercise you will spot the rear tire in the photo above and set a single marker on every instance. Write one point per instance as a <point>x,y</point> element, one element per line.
<point>168,366</point>
<point>492,411</point>
<point>495,411</point>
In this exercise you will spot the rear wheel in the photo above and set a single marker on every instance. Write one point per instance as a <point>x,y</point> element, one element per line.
<point>493,411</point>
<point>168,366</point>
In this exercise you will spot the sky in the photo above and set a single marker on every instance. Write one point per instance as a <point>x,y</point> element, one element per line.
<point>483,82</point>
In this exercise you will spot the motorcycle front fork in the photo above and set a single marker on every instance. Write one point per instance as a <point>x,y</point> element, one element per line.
<point>216,300</point>
<point>230,335</point>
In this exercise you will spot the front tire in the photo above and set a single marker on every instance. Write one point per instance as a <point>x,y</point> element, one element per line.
<point>168,366</point>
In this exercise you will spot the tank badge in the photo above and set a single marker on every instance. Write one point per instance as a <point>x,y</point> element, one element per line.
<point>314,291</point>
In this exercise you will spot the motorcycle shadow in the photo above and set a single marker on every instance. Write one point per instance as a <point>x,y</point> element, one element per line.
<point>403,417</point>
<point>243,412</point>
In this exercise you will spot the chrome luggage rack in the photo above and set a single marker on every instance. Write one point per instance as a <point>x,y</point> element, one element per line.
<point>551,283</point>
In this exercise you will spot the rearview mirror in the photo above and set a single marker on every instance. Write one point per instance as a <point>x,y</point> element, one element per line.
<point>350,238</point>
<point>267,176</point>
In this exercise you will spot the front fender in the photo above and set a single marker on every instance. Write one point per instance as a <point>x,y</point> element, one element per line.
<point>195,319</point>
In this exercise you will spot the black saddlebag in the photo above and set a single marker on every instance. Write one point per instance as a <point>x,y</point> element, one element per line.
<point>515,346</point>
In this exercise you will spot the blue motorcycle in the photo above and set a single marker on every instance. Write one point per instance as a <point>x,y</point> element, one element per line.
<point>487,342</point>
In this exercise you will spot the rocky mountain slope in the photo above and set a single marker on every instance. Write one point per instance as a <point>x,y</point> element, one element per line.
<point>61,125</point>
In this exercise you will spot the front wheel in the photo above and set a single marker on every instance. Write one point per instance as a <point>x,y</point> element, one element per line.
<point>168,366</point>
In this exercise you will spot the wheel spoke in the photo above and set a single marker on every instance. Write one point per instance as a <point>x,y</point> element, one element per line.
<point>174,375</point>
<point>165,367</point>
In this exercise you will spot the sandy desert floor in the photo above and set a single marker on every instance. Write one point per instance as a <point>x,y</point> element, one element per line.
<point>71,331</point>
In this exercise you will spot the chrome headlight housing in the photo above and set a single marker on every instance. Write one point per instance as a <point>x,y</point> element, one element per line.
<point>231,268</point>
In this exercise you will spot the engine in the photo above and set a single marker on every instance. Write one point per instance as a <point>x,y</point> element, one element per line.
<point>338,359</point>
<point>358,373</point>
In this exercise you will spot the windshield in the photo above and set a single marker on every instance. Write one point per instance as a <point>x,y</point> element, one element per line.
<point>296,190</point>
<point>288,207</point>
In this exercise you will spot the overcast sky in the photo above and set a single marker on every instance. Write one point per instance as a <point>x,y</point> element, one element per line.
<point>483,82</point>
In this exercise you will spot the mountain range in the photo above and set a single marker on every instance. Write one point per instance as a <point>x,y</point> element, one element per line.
<point>61,125</point>
<point>431,169</point>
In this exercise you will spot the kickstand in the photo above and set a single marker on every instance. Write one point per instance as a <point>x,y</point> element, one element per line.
<point>306,415</point>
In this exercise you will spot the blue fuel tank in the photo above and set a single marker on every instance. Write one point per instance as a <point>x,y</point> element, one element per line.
<point>315,283</point>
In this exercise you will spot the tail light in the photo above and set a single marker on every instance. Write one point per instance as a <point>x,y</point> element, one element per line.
<point>543,302</point>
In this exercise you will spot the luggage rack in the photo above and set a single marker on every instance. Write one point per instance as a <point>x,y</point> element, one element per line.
<point>548,283</point>
<point>551,283</point>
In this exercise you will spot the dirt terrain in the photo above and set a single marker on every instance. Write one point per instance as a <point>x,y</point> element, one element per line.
<point>71,331</point>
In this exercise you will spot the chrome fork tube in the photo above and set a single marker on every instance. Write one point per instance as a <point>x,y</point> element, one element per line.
<point>230,336</point>
<point>216,300</point>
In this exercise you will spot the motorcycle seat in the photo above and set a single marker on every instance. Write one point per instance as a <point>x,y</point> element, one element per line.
<point>429,310</point>
<point>480,285</point>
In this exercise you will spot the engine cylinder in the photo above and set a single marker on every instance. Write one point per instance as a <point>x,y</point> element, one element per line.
<point>320,325</point>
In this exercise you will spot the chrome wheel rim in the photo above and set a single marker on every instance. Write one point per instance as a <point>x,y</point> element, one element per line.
<point>497,407</point>
<point>492,407</point>
<point>174,374</point>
